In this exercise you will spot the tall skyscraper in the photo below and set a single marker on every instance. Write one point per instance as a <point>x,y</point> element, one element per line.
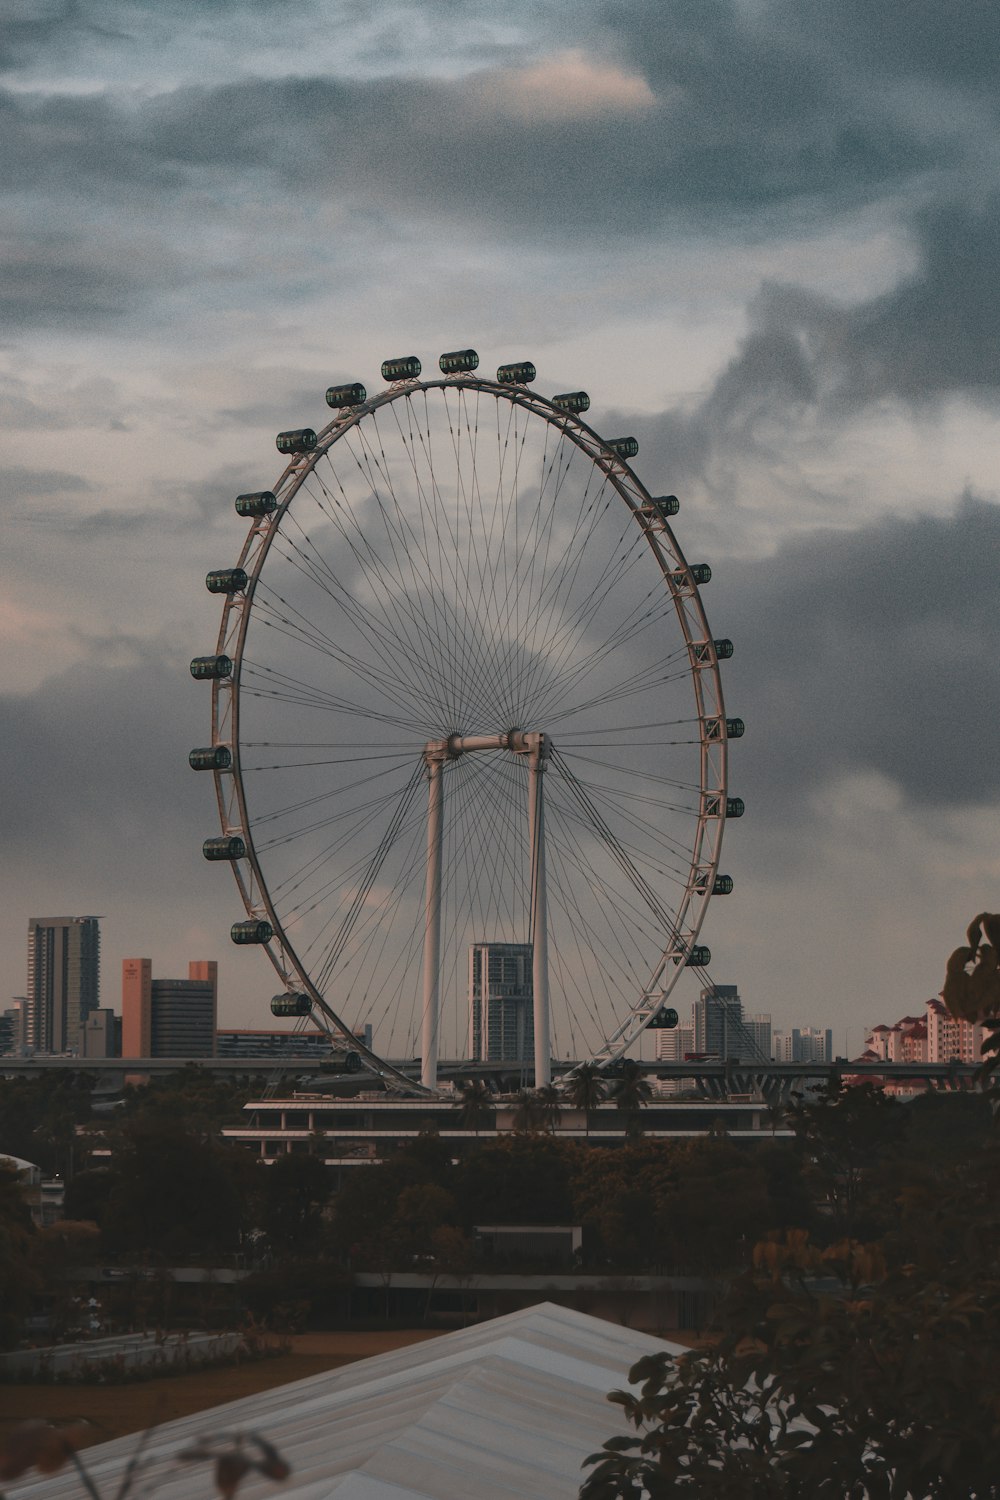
<point>501,1003</point>
<point>169,1017</point>
<point>64,974</point>
<point>721,1030</point>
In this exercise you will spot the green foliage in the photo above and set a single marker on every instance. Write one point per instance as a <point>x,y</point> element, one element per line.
<point>586,1089</point>
<point>39,1116</point>
<point>475,1106</point>
<point>201,1101</point>
<point>294,1191</point>
<point>846,1369</point>
<point>848,1137</point>
<point>19,1272</point>
<point>176,1194</point>
<point>522,1179</point>
<point>631,1091</point>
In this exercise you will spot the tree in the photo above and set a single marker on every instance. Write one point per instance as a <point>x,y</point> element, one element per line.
<point>890,1388</point>
<point>586,1090</point>
<point>517,1179</point>
<point>475,1105</point>
<point>549,1106</point>
<point>631,1091</point>
<point>845,1136</point>
<point>849,1371</point>
<point>529,1112</point>
<point>176,1194</point>
<point>294,1191</point>
<point>19,1275</point>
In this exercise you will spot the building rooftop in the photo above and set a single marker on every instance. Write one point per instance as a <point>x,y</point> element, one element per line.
<point>506,1410</point>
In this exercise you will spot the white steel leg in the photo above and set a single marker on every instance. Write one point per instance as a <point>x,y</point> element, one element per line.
<point>539,918</point>
<point>432,922</point>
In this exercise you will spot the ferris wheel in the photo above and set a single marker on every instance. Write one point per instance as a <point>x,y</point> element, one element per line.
<point>465,701</point>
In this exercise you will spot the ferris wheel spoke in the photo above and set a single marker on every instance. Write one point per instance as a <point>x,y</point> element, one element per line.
<point>380,627</point>
<point>592,981</point>
<point>385,645</point>
<point>382,634</point>
<point>648,681</point>
<point>375,680</point>
<point>624,819</point>
<point>574,628</point>
<point>588,819</point>
<point>394,592</point>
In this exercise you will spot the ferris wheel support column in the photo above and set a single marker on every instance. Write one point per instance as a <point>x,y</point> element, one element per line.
<point>538,756</point>
<point>432,921</point>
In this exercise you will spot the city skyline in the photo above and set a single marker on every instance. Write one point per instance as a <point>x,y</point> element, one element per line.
<point>761,238</point>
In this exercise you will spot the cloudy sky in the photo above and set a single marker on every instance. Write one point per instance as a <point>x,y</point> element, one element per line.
<point>763,234</point>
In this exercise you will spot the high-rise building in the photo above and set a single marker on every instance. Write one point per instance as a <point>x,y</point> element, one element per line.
<point>501,1005</point>
<point>64,973</point>
<point>673,1045</point>
<point>12,1028</point>
<point>102,1035</point>
<point>720,1029</point>
<point>169,1017</point>
<point>759,1031</point>
<point>803,1044</point>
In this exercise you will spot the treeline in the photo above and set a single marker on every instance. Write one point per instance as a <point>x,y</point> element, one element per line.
<point>171,1191</point>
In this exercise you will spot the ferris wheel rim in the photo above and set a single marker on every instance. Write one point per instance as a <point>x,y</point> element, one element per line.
<point>703,674</point>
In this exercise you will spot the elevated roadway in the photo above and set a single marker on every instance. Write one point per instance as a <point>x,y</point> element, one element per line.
<point>712,1078</point>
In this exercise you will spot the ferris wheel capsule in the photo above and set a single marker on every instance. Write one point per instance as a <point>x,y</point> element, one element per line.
<point>406,368</point>
<point>226,581</point>
<point>299,440</point>
<point>208,668</point>
<point>260,503</point>
<point>227,847</point>
<point>623,447</point>
<point>458,362</point>
<point>572,401</point>
<point>339,396</point>
<point>254,931</point>
<point>211,758</point>
<point>521,373</point>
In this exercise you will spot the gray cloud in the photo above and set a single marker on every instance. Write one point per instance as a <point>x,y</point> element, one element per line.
<point>19,483</point>
<point>806,358</point>
<point>954,44</point>
<point>867,652</point>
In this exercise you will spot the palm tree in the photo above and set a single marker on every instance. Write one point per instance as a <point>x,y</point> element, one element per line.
<point>631,1090</point>
<point>587,1089</point>
<point>475,1105</point>
<point>549,1106</point>
<point>529,1112</point>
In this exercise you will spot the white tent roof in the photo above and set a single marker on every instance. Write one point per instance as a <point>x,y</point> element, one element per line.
<point>506,1410</point>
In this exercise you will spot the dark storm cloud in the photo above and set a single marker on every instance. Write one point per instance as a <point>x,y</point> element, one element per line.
<point>741,119</point>
<point>101,748</point>
<point>207,502</point>
<point>871,651</point>
<point>20,484</point>
<point>92,277</point>
<point>731,118</point>
<point>934,335</point>
<point>909,38</point>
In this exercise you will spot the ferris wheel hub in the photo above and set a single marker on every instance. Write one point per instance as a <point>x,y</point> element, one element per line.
<point>518,741</point>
